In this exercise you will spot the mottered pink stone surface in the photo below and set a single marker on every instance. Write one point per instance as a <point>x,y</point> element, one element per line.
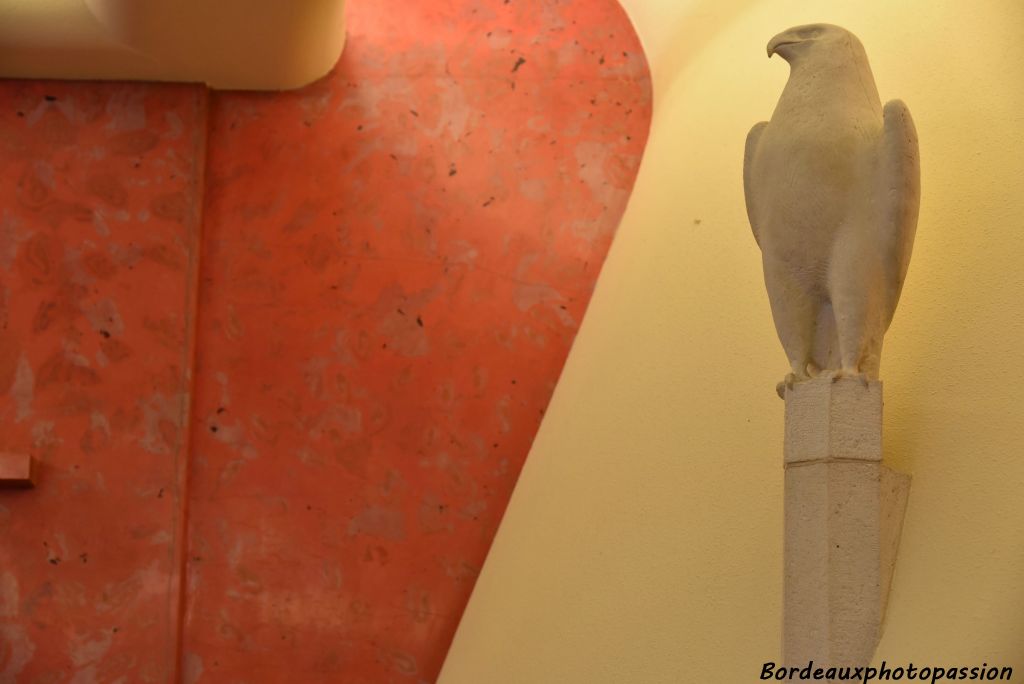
<point>394,262</point>
<point>99,226</point>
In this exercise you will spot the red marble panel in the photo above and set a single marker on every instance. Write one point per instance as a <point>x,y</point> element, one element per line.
<point>395,262</point>
<point>99,216</point>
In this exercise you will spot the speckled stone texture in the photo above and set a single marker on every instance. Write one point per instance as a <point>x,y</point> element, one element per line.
<point>99,228</point>
<point>394,262</point>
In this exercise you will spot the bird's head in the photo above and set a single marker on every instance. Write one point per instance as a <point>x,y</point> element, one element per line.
<point>798,42</point>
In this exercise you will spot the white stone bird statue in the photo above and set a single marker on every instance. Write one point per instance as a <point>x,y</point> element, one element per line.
<point>832,188</point>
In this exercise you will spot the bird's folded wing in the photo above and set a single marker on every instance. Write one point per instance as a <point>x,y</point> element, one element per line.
<point>748,186</point>
<point>901,188</point>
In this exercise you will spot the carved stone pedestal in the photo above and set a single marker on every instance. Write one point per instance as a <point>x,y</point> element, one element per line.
<point>843,516</point>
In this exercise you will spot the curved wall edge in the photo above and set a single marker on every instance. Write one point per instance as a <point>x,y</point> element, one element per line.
<point>233,44</point>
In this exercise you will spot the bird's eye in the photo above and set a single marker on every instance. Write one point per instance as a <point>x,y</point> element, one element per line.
<point>809,32</point>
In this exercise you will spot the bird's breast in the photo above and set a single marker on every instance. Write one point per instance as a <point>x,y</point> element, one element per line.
<point>812,173</point>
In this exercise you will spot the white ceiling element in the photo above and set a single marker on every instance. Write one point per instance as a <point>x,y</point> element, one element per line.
<point>236,44</point>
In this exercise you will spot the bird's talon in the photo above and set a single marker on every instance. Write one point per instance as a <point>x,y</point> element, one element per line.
<point>841,374</point>
<point>787,384</point>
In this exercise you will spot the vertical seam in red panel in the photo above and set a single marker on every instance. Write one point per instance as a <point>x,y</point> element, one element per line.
<point>184,456</point>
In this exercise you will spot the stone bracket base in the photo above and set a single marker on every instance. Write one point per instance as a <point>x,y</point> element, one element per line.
<point>843,518</point>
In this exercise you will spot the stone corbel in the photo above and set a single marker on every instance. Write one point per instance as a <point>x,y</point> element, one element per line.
<point>843,517</point>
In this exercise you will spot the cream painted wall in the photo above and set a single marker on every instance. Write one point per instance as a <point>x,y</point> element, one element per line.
<point>643,542</point>
<point>239,44</point>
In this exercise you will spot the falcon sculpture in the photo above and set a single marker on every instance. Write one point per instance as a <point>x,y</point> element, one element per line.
<point>832,186</point>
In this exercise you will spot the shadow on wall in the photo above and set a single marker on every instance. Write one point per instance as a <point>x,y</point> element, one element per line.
<point>695,24</point>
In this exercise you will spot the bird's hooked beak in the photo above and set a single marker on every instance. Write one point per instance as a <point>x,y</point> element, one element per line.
<point>795,41</point>
<point>784,38</point>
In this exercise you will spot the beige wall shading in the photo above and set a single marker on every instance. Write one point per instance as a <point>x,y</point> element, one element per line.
<point>250,44</point>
